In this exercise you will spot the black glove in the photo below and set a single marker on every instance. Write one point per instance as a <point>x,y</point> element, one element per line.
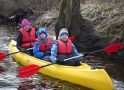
<point>23,50</point>
<point>86,54</point>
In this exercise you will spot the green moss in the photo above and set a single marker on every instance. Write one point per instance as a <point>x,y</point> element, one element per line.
<point>101,6</point>
<point>122,37</point>
<point>111,13</point>
<point>85,17</point>
<point>102,33</point>
<point>123,9</point>
<point>105,28</point>
<point>63,5</point>
<point>109,31</point>
<point>108,8</point>
<point>115,31</point>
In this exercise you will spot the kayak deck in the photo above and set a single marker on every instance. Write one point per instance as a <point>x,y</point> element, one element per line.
<point>83,75</point>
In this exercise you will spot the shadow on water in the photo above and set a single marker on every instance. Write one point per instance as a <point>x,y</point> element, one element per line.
<point>10,81</point>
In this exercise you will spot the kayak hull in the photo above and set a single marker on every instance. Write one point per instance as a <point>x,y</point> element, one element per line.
<point>96,79</point>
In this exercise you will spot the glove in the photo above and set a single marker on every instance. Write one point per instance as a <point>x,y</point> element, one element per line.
<point>23,50</point>
<point>81,54</point>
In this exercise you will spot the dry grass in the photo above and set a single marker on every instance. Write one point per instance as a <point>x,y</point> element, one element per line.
<point>8,6</point>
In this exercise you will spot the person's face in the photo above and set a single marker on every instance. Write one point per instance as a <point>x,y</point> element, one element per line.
<point>43,35</point>
<point>26,27</point>
<point>64,37</point>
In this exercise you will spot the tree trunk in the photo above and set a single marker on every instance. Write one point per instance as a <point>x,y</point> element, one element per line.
<point>69,17</point>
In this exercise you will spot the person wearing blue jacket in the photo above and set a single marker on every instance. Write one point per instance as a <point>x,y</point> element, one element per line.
<point>42,46</point>
<point>63,49</point>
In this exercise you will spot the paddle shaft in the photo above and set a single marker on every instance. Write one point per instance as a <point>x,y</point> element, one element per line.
<point>47,65</point>
<point>76,57</point>
<point>18,52</point>
<point>63,60</point>
<point>95,51</point>
<point>108,49</point>
<point>83,55</point>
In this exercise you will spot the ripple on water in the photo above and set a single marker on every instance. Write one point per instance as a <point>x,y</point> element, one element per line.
<point>118,85</point>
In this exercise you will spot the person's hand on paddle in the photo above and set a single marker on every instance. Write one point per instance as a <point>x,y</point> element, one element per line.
<point>23,50</point>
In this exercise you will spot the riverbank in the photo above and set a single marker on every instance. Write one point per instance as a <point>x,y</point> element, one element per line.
<point>103,23</point>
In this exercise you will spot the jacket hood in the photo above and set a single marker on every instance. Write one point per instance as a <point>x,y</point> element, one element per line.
<point>42,30</point>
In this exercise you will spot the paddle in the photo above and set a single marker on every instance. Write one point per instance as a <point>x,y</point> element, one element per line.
<point>108,49</point>
<point>3,55</point>
<point>72,38</point>
<point>30,70</point>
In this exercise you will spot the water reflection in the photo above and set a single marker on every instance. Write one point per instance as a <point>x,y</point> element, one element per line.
<point>26,87</point>
<point>1,69</point>
<point>36,86</point>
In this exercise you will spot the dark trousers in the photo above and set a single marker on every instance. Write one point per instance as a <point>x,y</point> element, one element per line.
<point>72,62</point>
<point>29,52</point>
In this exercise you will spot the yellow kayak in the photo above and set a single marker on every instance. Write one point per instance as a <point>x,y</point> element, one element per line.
<point>83,75</point>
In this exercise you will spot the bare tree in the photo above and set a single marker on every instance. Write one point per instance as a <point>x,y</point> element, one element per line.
<point>69,17</point>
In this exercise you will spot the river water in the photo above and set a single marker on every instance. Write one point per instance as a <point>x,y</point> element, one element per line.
<point>10,81</point>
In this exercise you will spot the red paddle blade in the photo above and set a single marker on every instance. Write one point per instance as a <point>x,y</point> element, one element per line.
<point>2,56</point>
<point>72,38</point>
<point>28,70</point>
<point>112,48</point>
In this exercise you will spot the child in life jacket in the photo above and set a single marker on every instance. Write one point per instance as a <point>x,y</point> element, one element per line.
<point>64,49</point>
<point>42,46</point>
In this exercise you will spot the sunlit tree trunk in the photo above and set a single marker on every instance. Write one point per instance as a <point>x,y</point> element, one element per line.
<point>69,17</point>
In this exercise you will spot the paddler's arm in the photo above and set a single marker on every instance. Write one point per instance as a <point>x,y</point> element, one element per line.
<point>54,50</point>
<point>36,51</point>
<point>19,41</point>
<point>74,50</point>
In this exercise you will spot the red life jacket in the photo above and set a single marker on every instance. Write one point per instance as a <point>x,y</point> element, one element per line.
<point>28,39</point>
<point>44,47</point>
<point>64,49</point>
